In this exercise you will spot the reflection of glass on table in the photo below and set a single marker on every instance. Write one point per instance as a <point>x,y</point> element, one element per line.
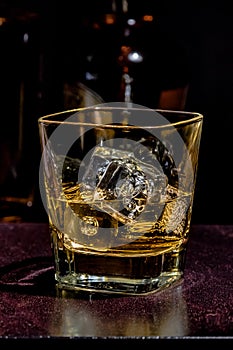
<point>165,317</point>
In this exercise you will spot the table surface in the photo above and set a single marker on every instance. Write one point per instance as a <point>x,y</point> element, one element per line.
<point>199,308</point>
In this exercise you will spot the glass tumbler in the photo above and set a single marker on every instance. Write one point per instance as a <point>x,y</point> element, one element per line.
<point>117,181</point>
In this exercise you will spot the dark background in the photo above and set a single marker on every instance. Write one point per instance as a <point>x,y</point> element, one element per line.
<point>189,43</point>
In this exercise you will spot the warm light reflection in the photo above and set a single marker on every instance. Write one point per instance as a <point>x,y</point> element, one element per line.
<point>2,20</point>
<point>147,18</point>
<point>109,18</point>
<point>125,50</point>
<point>96,26</point>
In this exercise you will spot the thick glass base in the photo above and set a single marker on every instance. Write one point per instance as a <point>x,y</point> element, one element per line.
<point>106,285</point>
<point>138,275</point>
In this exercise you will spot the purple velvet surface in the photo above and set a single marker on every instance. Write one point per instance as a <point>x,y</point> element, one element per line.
<point>200,306</point>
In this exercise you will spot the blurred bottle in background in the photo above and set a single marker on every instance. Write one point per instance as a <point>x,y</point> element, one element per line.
<point>34,81</point>
<point>124,45</point>
<point>19,71</point>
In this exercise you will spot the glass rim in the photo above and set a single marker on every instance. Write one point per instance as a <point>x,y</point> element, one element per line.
<point>192,117</point>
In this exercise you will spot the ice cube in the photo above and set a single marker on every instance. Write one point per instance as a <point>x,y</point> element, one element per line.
<point>84,230</point>
<point>121,184</point>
